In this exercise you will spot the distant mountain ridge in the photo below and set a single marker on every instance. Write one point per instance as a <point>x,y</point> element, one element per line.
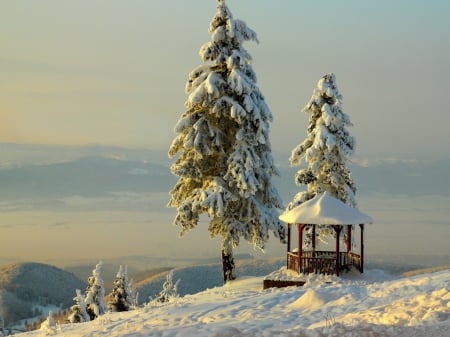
<point>16,155</point>
<point>24,285</point>
<point>412,178</point>
<point>140,179</point>
<point>53,186</point>
<point>87,176</point>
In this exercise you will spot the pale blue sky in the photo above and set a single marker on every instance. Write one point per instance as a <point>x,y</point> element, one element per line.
<point>113,72</point>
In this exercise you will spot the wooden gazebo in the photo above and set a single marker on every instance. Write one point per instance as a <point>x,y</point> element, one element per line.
<point>327,211</point>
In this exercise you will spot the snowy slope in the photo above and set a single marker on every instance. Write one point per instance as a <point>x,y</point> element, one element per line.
<point>194,279</point>
<point>373,304</point>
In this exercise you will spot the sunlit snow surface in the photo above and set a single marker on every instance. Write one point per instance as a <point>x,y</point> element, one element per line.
<point>372,304</point>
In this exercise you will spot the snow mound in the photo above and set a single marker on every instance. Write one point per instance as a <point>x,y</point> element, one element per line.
<point>313,299</point>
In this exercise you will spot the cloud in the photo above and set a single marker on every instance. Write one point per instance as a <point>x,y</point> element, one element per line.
<point>118,200</point>
<point>12,206</point>
<point>59,225</point>
<point>16,225</point>
<point>393,160</point>
<point>363,162</point>
<point>138,171</point>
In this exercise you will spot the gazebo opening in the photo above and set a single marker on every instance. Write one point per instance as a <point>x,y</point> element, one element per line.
<point>345,227</point>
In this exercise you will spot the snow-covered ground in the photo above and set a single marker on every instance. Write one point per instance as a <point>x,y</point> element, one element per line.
<point>372,304</point>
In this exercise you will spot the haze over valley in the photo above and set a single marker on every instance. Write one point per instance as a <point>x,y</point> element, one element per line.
<point>66,205</point>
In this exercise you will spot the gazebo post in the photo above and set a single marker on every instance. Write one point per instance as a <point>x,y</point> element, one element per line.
<point>337,229</point>
<point>362,247</point>
<point>314,238</point>
<point>288,244</point>
<point>289,237</point>
<point>300,247</point>
<point>349,238</point>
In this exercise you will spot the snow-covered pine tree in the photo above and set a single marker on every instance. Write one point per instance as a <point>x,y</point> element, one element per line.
<point>169,289</point>
<point>326,148</point>
<point>95,293</point>
<point>225,166</point>
<point>121,297</point>
<point>78,311</point>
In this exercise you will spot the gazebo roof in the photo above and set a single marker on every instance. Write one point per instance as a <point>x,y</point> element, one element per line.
<point>324,209</point>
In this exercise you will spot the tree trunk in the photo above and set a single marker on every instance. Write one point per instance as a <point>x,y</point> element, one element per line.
<point>228,266</point>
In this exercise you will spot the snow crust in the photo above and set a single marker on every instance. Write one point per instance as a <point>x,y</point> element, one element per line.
<point>369,304</point>
<point>325,210</point>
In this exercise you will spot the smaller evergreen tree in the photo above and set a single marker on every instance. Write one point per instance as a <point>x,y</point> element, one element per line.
<point>95,293</point>
<point>121,297</point>
<point>78,311</point>
<point>327,147</point>
<point>169,290</point>
<point>326,151</point>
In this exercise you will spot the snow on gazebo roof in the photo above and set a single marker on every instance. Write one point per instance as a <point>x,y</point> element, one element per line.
<point>324,209</point>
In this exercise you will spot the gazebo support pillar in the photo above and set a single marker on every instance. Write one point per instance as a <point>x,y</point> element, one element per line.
<point>300,247</point>
<point>313,239</point>
<point>289,238</point>
<point>288,244</point>
<point>362,247</point>
<point>337,229</point>
<point>349,238</point>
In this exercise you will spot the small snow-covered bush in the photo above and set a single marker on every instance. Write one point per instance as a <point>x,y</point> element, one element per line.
<point>49,324</point>
<point>78,310</point>
<point>169,290</point>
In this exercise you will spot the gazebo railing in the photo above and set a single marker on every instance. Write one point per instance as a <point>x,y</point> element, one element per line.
<point>292,262</point>
<point>354,260</point>
<point>322,262</point>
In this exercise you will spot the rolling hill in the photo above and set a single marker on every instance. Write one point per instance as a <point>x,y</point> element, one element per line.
<point>24,286</point>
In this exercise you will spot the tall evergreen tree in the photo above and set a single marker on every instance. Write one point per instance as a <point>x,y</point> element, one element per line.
<point>95,293</point>
<point>225,166</point>
<point>326,148</point>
